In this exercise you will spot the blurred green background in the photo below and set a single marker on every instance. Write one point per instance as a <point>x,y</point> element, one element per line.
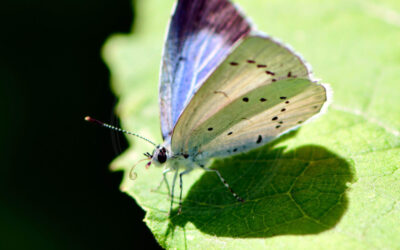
<point>56,191</point>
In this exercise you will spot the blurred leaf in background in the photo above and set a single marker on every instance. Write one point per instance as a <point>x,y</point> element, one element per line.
<point>333,184</point>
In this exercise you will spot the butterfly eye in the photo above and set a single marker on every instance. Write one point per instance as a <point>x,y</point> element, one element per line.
<point>162,156</point>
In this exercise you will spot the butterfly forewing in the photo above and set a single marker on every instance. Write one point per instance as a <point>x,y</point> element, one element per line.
<point>261,90</point>
<point>200,36</point>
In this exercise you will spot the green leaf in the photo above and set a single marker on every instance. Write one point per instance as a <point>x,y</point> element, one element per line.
<point>335,183</point>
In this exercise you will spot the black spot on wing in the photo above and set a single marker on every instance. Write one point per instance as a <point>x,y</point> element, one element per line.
<point>270,73</point>
<point>283,97</point>
<point>210,129</point>
<point>245,99</point>
<point>234,63</point>
<point>259,139</point>
<point>275,118</point>
<point>230,133</point>
<point>251,61</point>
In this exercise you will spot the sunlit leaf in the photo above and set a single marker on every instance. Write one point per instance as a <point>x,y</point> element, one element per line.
<point>335,183</point>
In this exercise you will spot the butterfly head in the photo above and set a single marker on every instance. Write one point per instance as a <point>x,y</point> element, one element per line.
<point>160,155</point>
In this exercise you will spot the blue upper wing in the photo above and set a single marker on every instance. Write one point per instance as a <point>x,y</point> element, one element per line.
<point>201,34</point>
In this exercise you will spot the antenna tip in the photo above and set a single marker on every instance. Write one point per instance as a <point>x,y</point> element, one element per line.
<point>90,119</point>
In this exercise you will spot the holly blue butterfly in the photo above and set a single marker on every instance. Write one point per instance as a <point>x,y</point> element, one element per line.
<point>225,89</point>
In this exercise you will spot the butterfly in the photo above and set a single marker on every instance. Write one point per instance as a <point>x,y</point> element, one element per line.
<point>225,89</point>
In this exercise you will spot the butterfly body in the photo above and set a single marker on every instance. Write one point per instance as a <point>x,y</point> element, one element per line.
<point>163,154</point>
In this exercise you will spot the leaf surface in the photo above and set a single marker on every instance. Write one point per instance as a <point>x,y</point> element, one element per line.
<point>335,183</point>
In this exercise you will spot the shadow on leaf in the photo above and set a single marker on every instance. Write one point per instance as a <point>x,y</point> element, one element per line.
<point>302,191</point>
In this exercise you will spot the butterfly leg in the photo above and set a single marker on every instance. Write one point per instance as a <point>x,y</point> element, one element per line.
<point>173,189</point>
<point>180,185</point>
<point>164,180</point>
<point>225,183</point>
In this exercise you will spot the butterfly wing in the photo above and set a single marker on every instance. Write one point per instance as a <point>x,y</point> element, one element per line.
<point>200,36</point>
<point>261,90</point>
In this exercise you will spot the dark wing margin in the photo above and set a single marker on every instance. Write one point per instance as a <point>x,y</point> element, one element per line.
<point>201,34</point>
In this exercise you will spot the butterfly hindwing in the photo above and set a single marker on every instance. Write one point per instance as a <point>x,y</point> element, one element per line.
<point>259,91</point>
<point>200,36</point>
<point>300,104</point>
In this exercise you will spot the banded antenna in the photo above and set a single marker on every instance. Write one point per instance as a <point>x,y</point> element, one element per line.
<point>92,120</point>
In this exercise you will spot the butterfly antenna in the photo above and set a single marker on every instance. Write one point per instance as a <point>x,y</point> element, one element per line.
<point>92,120</point>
